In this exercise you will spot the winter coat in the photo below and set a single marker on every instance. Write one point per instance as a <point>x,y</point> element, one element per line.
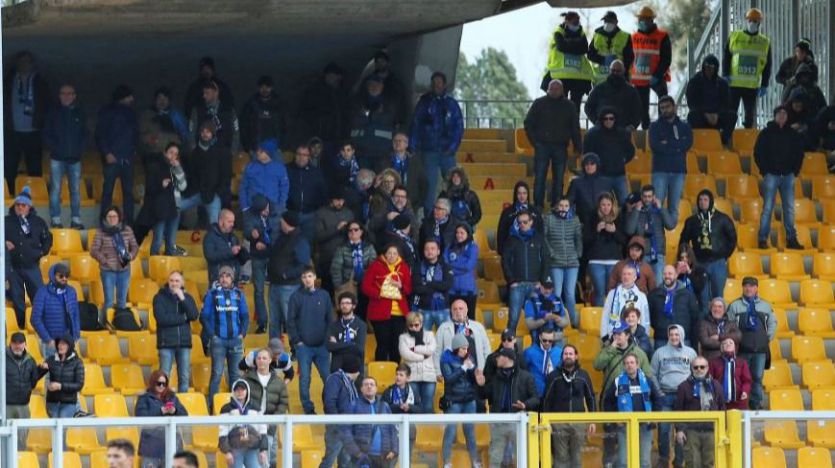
<point>104,249</point>
<point>349,338</point>
<point>328,238</point>
<point>490,366</point>
<point>779,151</point>
<point>194,93</point>
<point>28,248</point>
<point>507,221</point>
<point>462,259</point>
<point>415,179</point>
<point>568,391</point>
<point>583,193</point>
<point>522,388</point>
<point>446,229</point>
<point>278,399</point>
<point>742,379</point>
<point>424,290</point>
<point>160,203</point>
<point>637,222</point>
<point>420,359</point>
<point>722,234</point>
<point>640,337</point>
<point>222,114</point>
<point>217,248</point>
<point>174,318</point>
<point>614,148</point>
<point>55,314</point>
<point>225,313</point>
<point>753,340</point>
<point>261,120</point>
<point>157,129</point>
<point>459,384</point>
<point>63,133</point>
<point>709,326</point>
<point>230,434</point>
<point>379,309</point>
<point>553,121</point>
<point>789,66</point>
<point>466,206</point>
<point>646,281</point>
<point>686,401</point>
<point>253,221</point>
<point>324,111</point>
<point>564,240</point>
<point>358,437</point>
<point>338,393</point>
<point>308,191</point>
<point>620,95</point>
<point>685,313</point>
<point>40,95</point>
<point>372,126</point>
<point>437,124</point>
<point>209,172</point>
<point>603,245</point>
<point>289,257</point>
<point>535,359</point>
<point>670,142</point>
<point>709,95</point>
<point>616,300</point>
<point>117,132</point>
<point>69,373</point>
<point>823,119</point>
<point>479,343</point>
<point>22,375</point>
<point>525,260</point>
<point>609,362</point>
<point>152,440</point>
<point>671,365</point>
<point>307,311</point>
<point>270,180</point>
<point>412,398</point>
<point>342,264</point>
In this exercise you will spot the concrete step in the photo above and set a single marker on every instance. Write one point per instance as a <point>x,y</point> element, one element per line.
<point>487,134</point>
<point>509,169</point>
<point>496,182</point>
<point>488,157</point>
<point>498,146</point>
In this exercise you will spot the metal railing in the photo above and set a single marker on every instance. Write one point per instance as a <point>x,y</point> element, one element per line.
<point>473,111</point>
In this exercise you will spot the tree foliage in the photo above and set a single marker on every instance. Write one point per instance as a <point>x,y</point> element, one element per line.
<point>491,77</point>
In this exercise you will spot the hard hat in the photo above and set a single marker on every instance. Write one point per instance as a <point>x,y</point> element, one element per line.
<point>754,14</point>
<point>646,12</point>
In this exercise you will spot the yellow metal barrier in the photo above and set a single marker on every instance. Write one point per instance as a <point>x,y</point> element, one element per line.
<point>727,432</point>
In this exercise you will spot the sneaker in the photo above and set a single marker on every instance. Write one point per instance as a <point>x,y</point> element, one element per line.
<point>310,411</point>
<point>447,465</point>
<point>793,244</point>
<point>78,226</point>
<point>762,244</point>
<point>56,225</point>
<point>178,252</point>
<point>261,330</point>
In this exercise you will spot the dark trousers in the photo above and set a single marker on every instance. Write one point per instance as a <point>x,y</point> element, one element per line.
<point>470,300</point>
<point>749,105</point>
<point>544,154</point>
<point>388,333</point>
<point>575,90</point>
<point>23,281</point>
<point>124,172</point>
<point>643,92</point>
<point>725,123</point>
<point>26,146</point>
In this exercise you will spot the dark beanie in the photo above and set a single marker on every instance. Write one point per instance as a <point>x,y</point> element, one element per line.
<point>62,269</point>
<point>291,218</point>
<point>258,203</point>
<point>121,92</point>
<point>401,222</point>
<point>351,363</point>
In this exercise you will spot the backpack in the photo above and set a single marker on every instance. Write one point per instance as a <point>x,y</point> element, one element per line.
<point>89,317</point>
<point>124,320</point>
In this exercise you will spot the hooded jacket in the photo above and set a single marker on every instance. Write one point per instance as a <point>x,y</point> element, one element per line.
<point>709,326</point>
<point>779,150</point>
<point>507,219</point>
<point>64,132</point>
<point>307,311</point>
<point>669,143</point>
<point>535,359</point>
<point>477,337</point>
<point>583,193</point>
<point>437,124</point>
<point>646,281</point>
<point>709,95</point>
<point>465,204</point>
<point>338,393</point>
<point>174,318</point>
<point>671,364</point>
<point>722,233</point>
<point>327,237</point>
<point>459,384</point>
<point>55,311</point>
<point>117,132</point>
<point>278,399</point>
<point>269,180</point>
<point>685,309</point>
<point>28,248</point>
<point>617,93</point>
<point>308,190</point>
<point>411,398</point>
<point>525,258</point>
<point>521,385</point>
<point>267,228</point>
<point>462,258</point>
<point>569,391</point>
<point>564,240</point>
<point>553,121</point>
<point>788,69</point>
<point>358,438</point>
<point>805,78</point>
<point>231,435</point>
<point>22,375</point>
<point>612,145</point>
<point>217,248</point>
<point>69,372</point>
<point>609,361</point>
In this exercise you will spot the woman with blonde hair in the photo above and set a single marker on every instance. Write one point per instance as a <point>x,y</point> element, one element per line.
<point>417,348</point>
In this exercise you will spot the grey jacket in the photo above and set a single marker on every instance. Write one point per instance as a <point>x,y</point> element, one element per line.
<point>328,237</point>
<point>671,364</point>
<point>564,239</point>
<point>637,222</point>
<point>754,341</point>
<point>342,264</point>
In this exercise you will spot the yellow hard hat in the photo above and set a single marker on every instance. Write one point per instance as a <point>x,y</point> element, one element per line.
<point>754,14</point>
<point>646,12</point>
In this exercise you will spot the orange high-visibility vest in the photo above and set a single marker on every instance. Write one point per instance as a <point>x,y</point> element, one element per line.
<point>647,48</point>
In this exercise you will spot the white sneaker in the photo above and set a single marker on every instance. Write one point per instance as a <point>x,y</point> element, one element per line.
<point>476,465</point>
<point>447,465</point>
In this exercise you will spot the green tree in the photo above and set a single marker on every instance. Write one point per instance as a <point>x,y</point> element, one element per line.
<point>491,77</point>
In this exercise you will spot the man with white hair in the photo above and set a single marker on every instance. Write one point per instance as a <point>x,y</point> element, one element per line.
<point>625,294</point>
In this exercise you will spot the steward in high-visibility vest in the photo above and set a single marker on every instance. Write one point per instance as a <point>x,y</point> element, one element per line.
<point>567,59</point>
<point>608,44</point>
<point>653,56</point>
<point>746,64</point>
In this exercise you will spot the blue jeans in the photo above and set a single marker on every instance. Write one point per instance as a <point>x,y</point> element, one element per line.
<point>426,390</point>
<point>518,295</point>
<point>123,170</point>
<point>229,350</point>
<point>645,446</point>
<point>166,230</point>
<point>62,410</point>
<point>544,154</point>
<point>22,281</point>
<point>658,267</point>
<point>212,208</point>
<point>259,276</point>
<point>334,449</point>
<point>599,274</point>
<point>619,185</point>
<point>58,169</point>
<point>246,458</point>
<point>435,162</point>
<point>182,356</point>
<point>120,280</point>
<point>434,318</point>
<point>279,298</point>
<point>469,431</point>
<point>669,186</point>
<point>307,356</point>
<point>771,184</point>
<point>565,286</point>
<point>717,273</point>
<point>756,362</point>
<point>667,403</point>
<point>307,224</point>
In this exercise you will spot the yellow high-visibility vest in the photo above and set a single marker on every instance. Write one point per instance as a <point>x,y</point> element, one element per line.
<point>602,44</point>
<point>748,58</point>
<point>567,66</point>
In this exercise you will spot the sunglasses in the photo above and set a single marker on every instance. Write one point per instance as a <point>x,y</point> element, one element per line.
<point>415,325</point>
<point>162,383</point>
<point>508,340</point>
<point>699,367</point>
<point>546,341</point>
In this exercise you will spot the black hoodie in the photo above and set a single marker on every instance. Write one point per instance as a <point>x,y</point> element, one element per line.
<point>722,233</point>
<point>612,145</point>
<point>779,150</point>
<point>619,94</point>
<point>708,95</point>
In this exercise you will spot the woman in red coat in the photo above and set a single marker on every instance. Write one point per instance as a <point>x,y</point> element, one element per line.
<point>736,389</point>
<point>388,283</point>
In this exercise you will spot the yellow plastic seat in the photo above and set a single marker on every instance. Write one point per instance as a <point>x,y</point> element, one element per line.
<point>823,188</point>
<point>96,292</point>
<point>823,399</point>
<point>746,237</point>
<point>743,140</point>
<point>160,266</point>
<point>788,266</point>
<point>429,438</point>
<point>828,209</point>
<point>724,205</point>
<point>818,374</point>
<point>768,457</point>
<point>37,188</point>
<point>814,164</point>
<point>142,348</point>
<point>707,139</point>
<point>312,457</point>
<point>691,162</point>
<point>778,376</point>
<point>220,399</point>
<point>777,293</point>
<point>384,372</point>
<point>823,266</point>
<point>201,373</point>
<point>741,186</point>
<point>813,321</point>
<point>79,290</point>
<point>750,210</point>
<point>785,399</point>
<point>302,437</point>
<point>45,263</point>
<point>27,459</point>
<point>104,349</point>
<point>783,328</point>
<point>94,380</point>
<point>493,270</point>
<point>722,163</point>
<point>813,456</point>
<point>142,291</point>
<point>484,250</point>
<point>37,406</point>
<point>84,268</point>
<point>522,144</point>
<point>110,405</point>
<point>817,293</point>
<point>742,264</point>
<point>826,238</point>
<point>71,460</point>
<point>127,378</point>
<point>820,434</point>
<point>733,289</point>
<point>588,345</point>
<point>194,403</point>
<point>197,354</point>
<point>204,437</point>
<point>808,348</point>
<point>804,237</point>
<point>83,440</point>
<point>782,434</point>
<point>774,348</point>
<point>695,183</point>
<point>121,432</point>
<point>804,213</point>
<point>39,440</point>
<point>66,242</point>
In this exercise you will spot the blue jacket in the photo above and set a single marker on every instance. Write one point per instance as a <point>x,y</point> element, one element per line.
<point>463,262</point>
<point>535,360</point>
<point>55,314</point>
<point>308,191</point>
<point>225,313</point>
<point>338,393</point>
<point>459,384</point>
<point>358,437</point>
<point>63,133</point>
<point>269,180</point>
<point>117,131</point>
<point>437,125</point>
<point>669,154</point>
<point>309,312</point>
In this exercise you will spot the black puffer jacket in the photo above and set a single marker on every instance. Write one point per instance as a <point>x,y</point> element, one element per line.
<point>466,206</point>
<point>603,245</point>
<point>22,374</point>
<point>722,233</point>
<point>612,145</point>
<point>779,150</point>
<point>69,373</point>
<point>152,440</point>
<point>29,248</point>
<point>525,259</point>
<point>173,318</point>
<point>568,391</point>
<point>583,193</point>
